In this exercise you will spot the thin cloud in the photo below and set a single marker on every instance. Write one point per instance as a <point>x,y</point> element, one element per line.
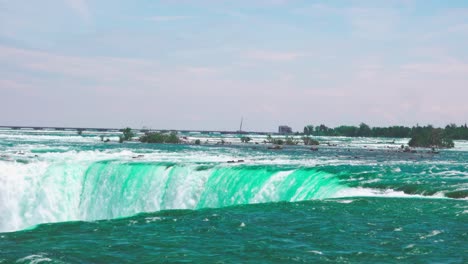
<point>459,28</point>
<point>81,8</point>
<point>167,18</point>
<point>374,22</point>
<point>202,70</point>
<point>265,55</point>
<point>102,68</point>
<point>443,68</point>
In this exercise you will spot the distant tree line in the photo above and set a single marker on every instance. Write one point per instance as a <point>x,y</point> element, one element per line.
<point>451,131</point>
<point>456,132</point>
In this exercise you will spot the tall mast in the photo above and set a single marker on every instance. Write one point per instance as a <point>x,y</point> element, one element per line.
<point>242,119</point>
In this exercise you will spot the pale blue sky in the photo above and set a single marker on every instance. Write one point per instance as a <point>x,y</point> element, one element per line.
<point>202,64</point>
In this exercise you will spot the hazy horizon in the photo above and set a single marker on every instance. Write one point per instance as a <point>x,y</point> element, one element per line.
<point>272,130</point>
<point>202,65</point>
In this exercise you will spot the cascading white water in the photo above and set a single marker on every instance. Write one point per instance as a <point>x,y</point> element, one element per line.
<point>40,192</point>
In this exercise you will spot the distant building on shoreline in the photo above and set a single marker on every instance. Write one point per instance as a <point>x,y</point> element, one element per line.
<point>284,130</point>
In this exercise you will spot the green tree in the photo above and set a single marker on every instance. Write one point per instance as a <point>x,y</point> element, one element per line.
<point>323,130</point>
<point>429,137</point>
<point>156,137</point>
<point>364,130</point>
<point>127,134</point>
<point>308,130</point>
<point>278,141</point>
<point>290,141</point>
<point>347,131</point>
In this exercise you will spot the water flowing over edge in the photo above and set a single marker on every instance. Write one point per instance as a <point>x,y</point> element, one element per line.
<point>111,189</point>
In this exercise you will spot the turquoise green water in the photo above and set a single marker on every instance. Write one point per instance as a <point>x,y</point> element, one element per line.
<point>71,199</point>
